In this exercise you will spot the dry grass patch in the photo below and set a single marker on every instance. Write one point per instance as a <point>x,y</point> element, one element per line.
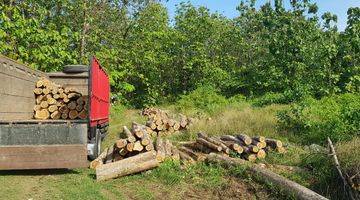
<point>249,120</point>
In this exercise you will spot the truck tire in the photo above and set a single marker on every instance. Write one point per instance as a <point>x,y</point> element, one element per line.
<point>75,68</point>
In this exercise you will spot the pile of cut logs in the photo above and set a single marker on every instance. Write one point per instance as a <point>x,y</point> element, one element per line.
<point>133,154</point>
<point>138,152</point>
<point>162,124</point>
<point>56,102</point>
<point>137,140</point>
<point>246,147</point>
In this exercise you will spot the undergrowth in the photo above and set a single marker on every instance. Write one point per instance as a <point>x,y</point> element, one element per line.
<point>312,121</point>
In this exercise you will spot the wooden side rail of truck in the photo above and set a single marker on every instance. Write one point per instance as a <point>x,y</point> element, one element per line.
<point>26,143</point>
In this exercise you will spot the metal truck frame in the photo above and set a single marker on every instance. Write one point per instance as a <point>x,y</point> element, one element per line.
<point>26,143</point>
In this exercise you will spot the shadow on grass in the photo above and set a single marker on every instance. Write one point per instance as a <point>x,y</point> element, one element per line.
<point>37,172</point>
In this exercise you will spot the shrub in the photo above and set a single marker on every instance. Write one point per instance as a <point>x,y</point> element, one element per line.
<point>203,99</point>
<point>270,98</point>
<point>337,117</point>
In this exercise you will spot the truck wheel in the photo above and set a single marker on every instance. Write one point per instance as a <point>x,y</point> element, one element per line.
<point>75,68</point>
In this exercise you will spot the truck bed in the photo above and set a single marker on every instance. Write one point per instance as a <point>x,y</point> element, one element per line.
<point>26,143</point>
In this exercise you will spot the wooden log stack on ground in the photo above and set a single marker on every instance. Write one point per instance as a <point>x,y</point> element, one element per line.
<point>160,123</point>
<point>55,102</point>
<point>137,141</point>
<point>135,153</point>
<point>246,147</point>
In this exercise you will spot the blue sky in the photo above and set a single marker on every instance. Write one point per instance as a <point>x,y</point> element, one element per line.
<point>228,7</point>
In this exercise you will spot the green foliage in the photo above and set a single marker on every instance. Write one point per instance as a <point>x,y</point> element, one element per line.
<point>313,120</point>
<point>204,99</point>
<point>270,98</point>
<point>268,49</point>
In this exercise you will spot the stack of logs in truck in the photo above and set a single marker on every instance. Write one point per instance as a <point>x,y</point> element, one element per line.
<point>56,102</point>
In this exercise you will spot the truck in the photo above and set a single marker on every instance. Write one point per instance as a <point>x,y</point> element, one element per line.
<point>27,143</point>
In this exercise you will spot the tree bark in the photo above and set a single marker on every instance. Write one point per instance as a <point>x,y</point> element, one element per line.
<point>134,164</point>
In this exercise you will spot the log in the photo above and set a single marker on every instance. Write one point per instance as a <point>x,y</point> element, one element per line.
<point>80,101</point>
<point>64,116</point>
<point>55,115</point>
<point>123,152</point>
<point>176,126</point>
<point>202,148</point>
<point>231,138</point>
<point>37,107</point>
<point>56,96</point>
<point>151,124</point>
<point>244,138</point>
<point>83,114</point>
<point>52,108</point>
<point>40,98</point>
<point>42,114</point>
<point>73,114</point>
<point>292,188</point>
<point>79,107</point>
<point>158,122</point>
<point>185,157</point>
<point>252,149</point>
<point>100,159</point>
<point>249,156</point>
<point>139,134</point>
<point>273,143</point>
<point>214,141</point>
<point>160,149</point>
<point>145,140</point>
<point>261,154</point>
<point>51,101</point>
<point>131,165</point>
<point>72,105</point>
<point>44,104</point>
<point>121,143</point>
<point>209,144</point>
<point>149,147</point>
<point>39,83</point>
<point>73,95</point>
<point>130,146</point>
<point>171,122</point>
<point>64,109</point>
<point>260,145</point>
<point>138,146</point>
<point>338,168</point>
<point>183,121</point>
<point>175,153</point>
<point>129,135</point>
<point>192,154</point>
<point>37,91</point>
<point>232,145</point>
<point>259,139</point>
<point>45,91</point>
<point>168,147</point>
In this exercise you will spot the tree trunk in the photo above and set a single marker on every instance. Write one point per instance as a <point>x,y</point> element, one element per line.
<point>289,186</point>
